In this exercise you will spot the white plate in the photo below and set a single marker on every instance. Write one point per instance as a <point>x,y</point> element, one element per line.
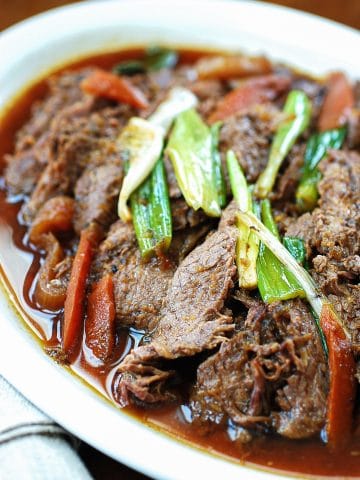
<point>32,48</point>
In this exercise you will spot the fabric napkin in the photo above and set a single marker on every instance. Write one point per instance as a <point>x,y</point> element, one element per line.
<point>32,446</point>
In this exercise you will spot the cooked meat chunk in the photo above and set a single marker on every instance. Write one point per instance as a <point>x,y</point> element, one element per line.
<point>271,374</point>
<point>332,235</point>
<point>249,135</point>
<point>139,286</point>
<point>193,317</point>
<point>27,163</point>
<point>76,143</point>
<point>96,194</point>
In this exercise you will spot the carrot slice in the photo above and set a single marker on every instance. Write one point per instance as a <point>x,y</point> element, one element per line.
<point>342,392</point>
<point>105,84</point>
<point>75,295</point>
<point>225,67</point>
<point>338,102</point>
<point>100,322</point>
<point>253,91</point>
<point>54,216</point>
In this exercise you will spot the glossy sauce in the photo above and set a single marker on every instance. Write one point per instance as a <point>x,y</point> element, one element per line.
<point>272,452</point>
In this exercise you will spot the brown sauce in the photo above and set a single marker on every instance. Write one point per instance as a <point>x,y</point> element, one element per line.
<point>271,452</point>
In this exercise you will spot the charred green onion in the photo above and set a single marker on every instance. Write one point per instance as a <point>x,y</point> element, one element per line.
<point>316,149</point>
<point>247,245</point>
<point>275,282</point>
<point>298,110</point>
<point>190,151</point>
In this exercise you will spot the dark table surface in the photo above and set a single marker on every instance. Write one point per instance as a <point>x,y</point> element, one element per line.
<point>12,11</point>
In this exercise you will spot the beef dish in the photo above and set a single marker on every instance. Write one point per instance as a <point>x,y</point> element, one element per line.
<point>222,367</point>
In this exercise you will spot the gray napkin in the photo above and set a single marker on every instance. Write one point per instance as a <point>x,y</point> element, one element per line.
<point>32,446</point>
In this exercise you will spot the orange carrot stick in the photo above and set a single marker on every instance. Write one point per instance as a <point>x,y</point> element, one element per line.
<point>105,84</point>
<point>75,295</point>
<point>338,102</point>
<point>342,392</point>
<point>253,91</point>
<point>100,322</point>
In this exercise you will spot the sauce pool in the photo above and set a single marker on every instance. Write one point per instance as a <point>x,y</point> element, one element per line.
<point>271,452</point>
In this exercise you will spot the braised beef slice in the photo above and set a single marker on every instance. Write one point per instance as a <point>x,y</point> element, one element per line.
<point>209,93</point>
<point>249,135</point>
<point>139,286</point>
<point>193,318</point>
<point>26,164</point>
<point>96,194</point>
<point>271,375</point>
<point>77,142</point>
<point>332,236</point>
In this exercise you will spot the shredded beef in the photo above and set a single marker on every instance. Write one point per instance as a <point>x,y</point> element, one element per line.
<point>271,375</point>
<point>332,236</point>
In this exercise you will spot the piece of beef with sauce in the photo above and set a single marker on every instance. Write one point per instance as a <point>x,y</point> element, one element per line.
<point>193,318</point>
<point>25,166</point>
<point>249,135</point>
<point>140,286</point>
<point>76,143</point>
<point>271,376</point>
<point>332,236</point>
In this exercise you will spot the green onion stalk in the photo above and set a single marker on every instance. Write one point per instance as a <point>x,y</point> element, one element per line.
<point>316,149</point>
<point>155,59</point>
<point>190,149</point>
<point>247,245</point>
<point>298,110</point>
<point>150,207</point>
<point>275,282</point>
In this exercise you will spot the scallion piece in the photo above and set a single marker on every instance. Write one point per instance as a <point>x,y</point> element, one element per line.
<point>247,245</point>
<point>298,110</point>
<point>140,204</point>
<point>218,173</point>
<point>161,220</point>
<point>160,57</point>
<point>296,247</point>
<point>141,143</point>
<point>155,58</point>
<point>129,67</point>
<point>190,151</point>
<point>150,207</point>
<point>275,282</point>
<point>316,149</point>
